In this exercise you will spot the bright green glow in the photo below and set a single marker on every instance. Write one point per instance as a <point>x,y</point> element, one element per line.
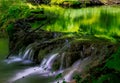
<point>95,21</point>
<point>91,21</point>
<point>61,1</point>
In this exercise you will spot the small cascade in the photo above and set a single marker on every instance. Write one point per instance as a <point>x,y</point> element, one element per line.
<point>48,61</point>
<point>44,69</point>
<point>24,56</point>
<point>12,59</point>
<point>69,76</point>
<point>77,63</point>
<point>62,61</point>
<point>70,71</point>
<point>76,68</point>
<point>28,55</point>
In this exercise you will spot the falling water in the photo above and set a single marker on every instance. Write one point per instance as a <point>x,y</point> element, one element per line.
<point>29,52</point>
<point>69,76</point>
<point>77,67</point>
<point>77,63</point>
<point>48,61</point>
<point>62,61</point>
<point>44,69</point>
<point>24,56</point>
<point>28,55</point>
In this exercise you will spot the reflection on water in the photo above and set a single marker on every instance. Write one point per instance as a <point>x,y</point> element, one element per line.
<point>96,21</point>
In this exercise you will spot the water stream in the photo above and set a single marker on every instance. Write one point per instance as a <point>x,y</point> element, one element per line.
<point>20,68</point>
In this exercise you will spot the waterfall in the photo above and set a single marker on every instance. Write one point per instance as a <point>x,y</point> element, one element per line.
<point>48,61</point>
<point>77,63</point>
<point>44,69</point>
<point>62,61</point>
<point>70,71</point>
<point>24,56</point>
<point>28,55</point>
<point>69,76</point>
<point>76,68</point>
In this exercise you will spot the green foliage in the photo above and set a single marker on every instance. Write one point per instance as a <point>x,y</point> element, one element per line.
<point>114,61</point>
<point>17,11</point>
<point>97,21</point>
<point>10,30</point>
<point>11,12</point>
<point>100,21</point>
